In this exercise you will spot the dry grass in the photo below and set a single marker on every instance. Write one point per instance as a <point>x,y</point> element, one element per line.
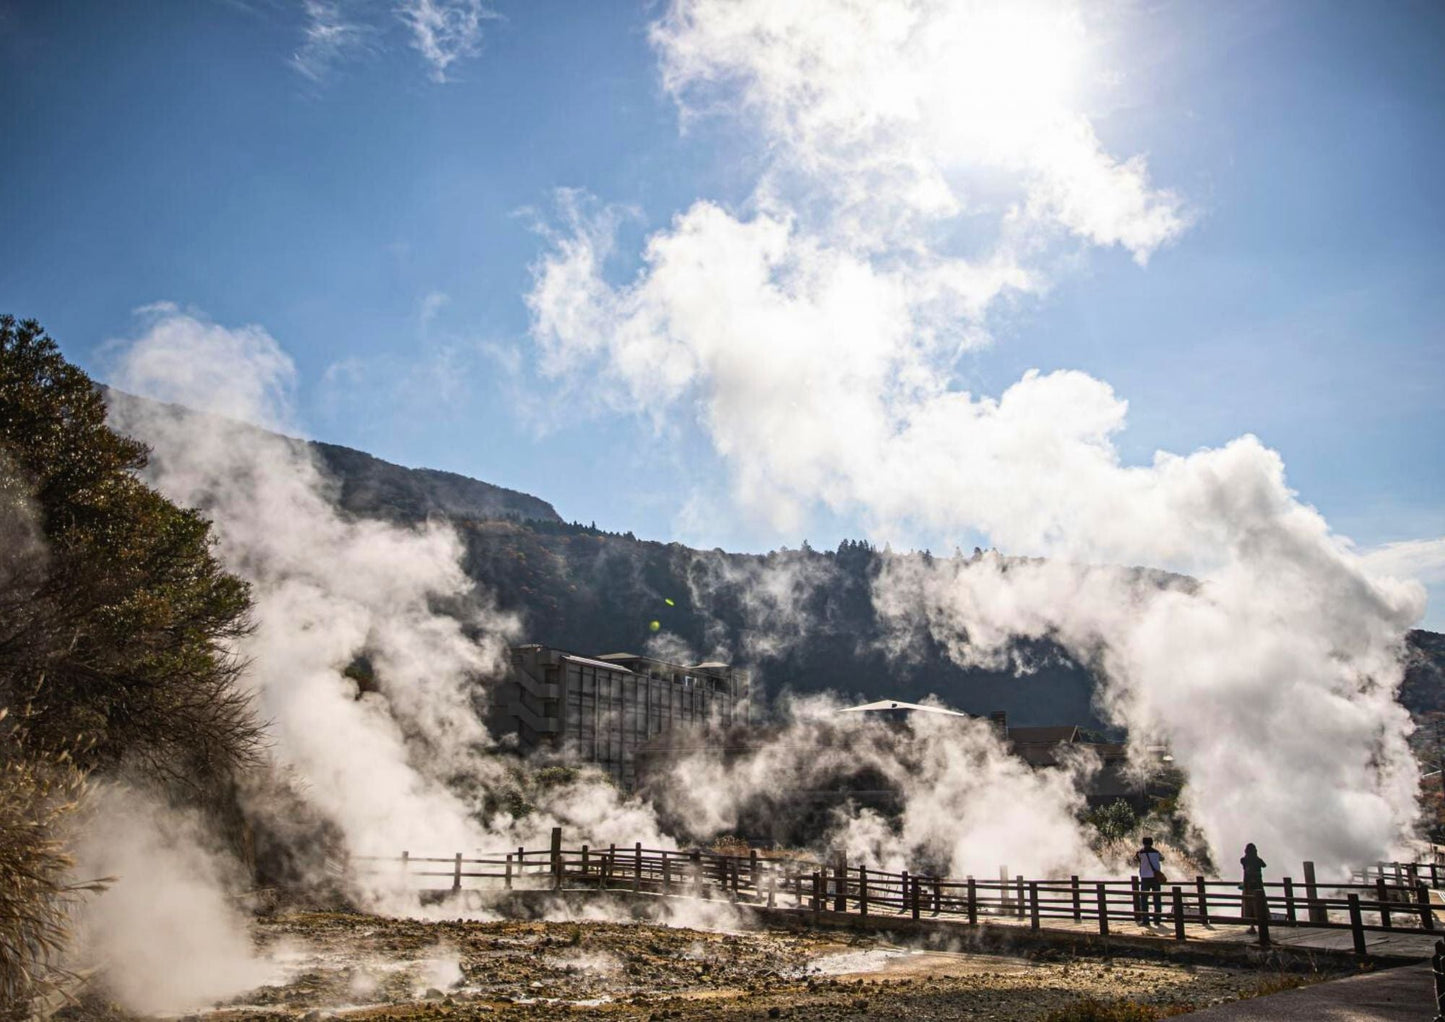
<point>36,892</point>
<point>1093,1010</point>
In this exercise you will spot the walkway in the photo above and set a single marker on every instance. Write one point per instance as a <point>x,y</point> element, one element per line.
<point>1406,994</point>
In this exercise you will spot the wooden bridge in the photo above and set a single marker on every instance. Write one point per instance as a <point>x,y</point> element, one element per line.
<point>1386,910</point>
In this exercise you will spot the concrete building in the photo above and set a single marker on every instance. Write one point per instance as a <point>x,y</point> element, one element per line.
<point>602,709</point>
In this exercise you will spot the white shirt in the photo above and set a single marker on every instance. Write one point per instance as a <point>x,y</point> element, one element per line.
<point>1149,861</point>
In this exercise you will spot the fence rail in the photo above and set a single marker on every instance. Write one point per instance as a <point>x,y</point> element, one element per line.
<point>1386,897</point>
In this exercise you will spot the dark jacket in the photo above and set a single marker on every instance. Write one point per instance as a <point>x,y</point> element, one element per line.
<point>1253,872</point>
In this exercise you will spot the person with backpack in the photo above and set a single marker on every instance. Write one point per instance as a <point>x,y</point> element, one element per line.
<point>1151,878</point>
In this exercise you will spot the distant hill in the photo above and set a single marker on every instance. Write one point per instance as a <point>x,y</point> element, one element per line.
<point>802,619</point>
<point>376,488</point>
<point>1424,688</point>
<point>373,488</point>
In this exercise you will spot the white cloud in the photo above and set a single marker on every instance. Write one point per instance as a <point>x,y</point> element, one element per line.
<point>814,334</point>
<point>430,307</point>
<point>897,107</point>
<point>1420,559</point>
<point>328,38</point>
<point>444,31</point>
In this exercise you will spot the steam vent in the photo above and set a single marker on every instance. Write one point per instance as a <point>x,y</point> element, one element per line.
<point>603,709</point>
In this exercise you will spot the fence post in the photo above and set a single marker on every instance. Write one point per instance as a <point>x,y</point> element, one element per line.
<point>1434,875</point>
<point>737,869</point>
<point>915,898</point>
<point>666,874</point>
<point>457,874</point>
<point>507,874</point>
<point>695,867</point>
<point>1103,897</point>
<point>586,864</point>
<point>862,890</point>
<point>840,877</point>
<point>521,853</point>
<point>1422,895</point>
<point>1033,905</point>
<point>1139,920</point>
<point>1019,889</point>
<point>972,902</point>
<point>1074,888</point>
<point>1004,903</point>
<point>753,870</point>
<point>1261,910</point>
<point>1380,893</point>
<point>1437,970</point>
<point>637,867</point>
<point>1318,913</point>
<point>1178,912</point>
<point>903,893</point>
<point>772,887</point>
<point>1201,890</point>
<point>937,896</point>
<point>817,893</point>
<point>1357,925</point>
<point>1289,911</point>
<point>610,869</point>
<point>556,858</point>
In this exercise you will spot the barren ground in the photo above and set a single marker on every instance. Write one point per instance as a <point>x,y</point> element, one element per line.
<point>366,967</point>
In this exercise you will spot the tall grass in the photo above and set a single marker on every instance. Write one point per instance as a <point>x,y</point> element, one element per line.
<point>36,887</point>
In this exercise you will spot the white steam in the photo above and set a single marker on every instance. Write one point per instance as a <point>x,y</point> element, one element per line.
<point>164,936</point>
<point>967,805</point>
<point>327,590</point>
<point>403,762</point>
<point>924,160</point>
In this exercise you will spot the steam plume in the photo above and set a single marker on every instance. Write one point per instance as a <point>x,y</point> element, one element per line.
<point>815,337</point>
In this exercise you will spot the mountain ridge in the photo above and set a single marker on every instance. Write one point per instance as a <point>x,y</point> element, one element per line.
<point>804,619</point>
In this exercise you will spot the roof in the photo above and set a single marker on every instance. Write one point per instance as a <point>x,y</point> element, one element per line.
<point>1044,735</point>
<point>883,705</point>
<point>596,663</point>
<point>619,656</point>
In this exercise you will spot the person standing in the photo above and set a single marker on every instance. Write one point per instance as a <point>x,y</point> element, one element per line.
<point>1253,880</point>
<point>1151,878</point>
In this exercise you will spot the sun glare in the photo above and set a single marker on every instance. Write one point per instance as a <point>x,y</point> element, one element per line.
<point>1002,77</point>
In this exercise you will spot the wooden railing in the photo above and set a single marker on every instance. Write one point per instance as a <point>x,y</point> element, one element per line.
<point>1375,900</point>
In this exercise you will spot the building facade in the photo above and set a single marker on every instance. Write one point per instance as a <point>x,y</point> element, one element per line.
<point>602,709</point>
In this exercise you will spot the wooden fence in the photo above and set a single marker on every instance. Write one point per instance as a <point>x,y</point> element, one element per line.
<point>1389,897</point>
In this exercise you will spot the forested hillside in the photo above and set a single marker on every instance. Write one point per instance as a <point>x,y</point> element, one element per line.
<point>803,619</point>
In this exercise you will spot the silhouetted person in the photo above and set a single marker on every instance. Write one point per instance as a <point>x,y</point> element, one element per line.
<point>1151,878</point>
<point>1253,880</point>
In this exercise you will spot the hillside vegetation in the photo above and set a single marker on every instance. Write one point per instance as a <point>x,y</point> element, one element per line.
<point>803,619</point>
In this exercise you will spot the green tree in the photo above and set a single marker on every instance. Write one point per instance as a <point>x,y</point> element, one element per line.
<point>117,635</point>
<point>1113,821</point>
<point>117,623</point>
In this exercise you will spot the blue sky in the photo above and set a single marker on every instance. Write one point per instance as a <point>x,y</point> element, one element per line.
<point>382,211</point>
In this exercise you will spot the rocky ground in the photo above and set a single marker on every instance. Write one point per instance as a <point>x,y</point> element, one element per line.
<point>364,967</point>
